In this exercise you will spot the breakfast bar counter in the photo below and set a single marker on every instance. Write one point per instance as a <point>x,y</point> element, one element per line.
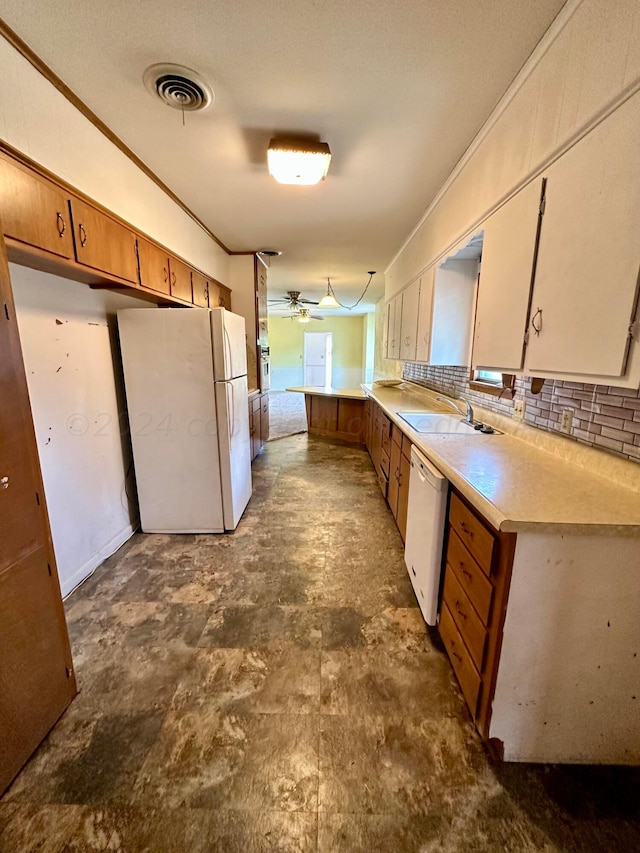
<point>334,412</point>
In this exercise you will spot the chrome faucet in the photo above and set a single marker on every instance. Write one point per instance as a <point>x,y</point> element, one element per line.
<point>468,416</point>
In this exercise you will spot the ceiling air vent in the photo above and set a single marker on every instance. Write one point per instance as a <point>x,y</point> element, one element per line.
<point>178,87</point>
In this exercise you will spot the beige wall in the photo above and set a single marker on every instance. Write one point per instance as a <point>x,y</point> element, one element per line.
<point>286,342</point>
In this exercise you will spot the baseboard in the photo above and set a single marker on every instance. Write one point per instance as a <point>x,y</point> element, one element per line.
<point>70,584</point>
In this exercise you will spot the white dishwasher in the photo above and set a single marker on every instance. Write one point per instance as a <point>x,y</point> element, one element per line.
<point>425,531</point>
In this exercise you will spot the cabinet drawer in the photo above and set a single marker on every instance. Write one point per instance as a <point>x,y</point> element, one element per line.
<point>477,539</point>
<point>470,576</point>
<point>396,435</point>
<point>467,620</point>
<point>385,463</point>
<point>406,447</point>
<point>463,667</point>
<point>256,404</point>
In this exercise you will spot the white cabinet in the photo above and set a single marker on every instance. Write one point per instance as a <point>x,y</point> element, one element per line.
<point>432,317</point>
<point>392,325</point>
<point>508,252</point>
<point>576,295</point>
<point>409,321</point>
<point>585,289</point>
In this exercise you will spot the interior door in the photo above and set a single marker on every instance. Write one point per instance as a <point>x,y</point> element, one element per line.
<point>36,673</point>
<point>317,359</point>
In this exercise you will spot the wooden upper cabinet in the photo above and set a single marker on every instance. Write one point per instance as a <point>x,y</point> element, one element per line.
<point>200,289</point>
<point>102,243</point>
<point>224,297</point>
<point>34,211</point>
<point>153,264</point>
<point>180,278</point>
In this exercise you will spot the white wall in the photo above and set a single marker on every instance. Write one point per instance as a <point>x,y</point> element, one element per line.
<point>590,61</point>
<point>37,120</point>
<point>73,372</point>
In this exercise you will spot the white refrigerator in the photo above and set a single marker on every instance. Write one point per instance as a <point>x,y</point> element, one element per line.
<point>185,375</point>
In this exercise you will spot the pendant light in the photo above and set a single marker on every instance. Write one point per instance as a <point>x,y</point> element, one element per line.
<point>328,300</point>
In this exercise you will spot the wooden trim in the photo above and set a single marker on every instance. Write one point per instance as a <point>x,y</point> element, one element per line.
<point>16,42</point>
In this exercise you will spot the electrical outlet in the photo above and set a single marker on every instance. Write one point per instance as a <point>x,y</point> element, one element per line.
<point>566,421</point>
<point>518,408</point>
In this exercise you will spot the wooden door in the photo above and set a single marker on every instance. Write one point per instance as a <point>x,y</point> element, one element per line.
<point>36,673</point>
<point>153,264</point>
<point>200,289</point>
<point>508,254</point>
<point>180,277</point>
<point>34,211</point>
<point>261,302</point>
<point>586,281</point>
<point>409,321</point>
<point>102,243</point>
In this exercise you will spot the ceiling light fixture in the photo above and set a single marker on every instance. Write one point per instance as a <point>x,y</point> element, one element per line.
<point>304,316</point>
<point>331,294</point>
<point>298,161</point>
<point>328,300</point>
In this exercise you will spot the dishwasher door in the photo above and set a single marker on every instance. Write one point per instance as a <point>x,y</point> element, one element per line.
<point>428,490</point>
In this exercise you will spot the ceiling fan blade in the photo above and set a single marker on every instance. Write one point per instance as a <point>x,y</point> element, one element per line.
<point>308,302</point>
<point>316,317</point>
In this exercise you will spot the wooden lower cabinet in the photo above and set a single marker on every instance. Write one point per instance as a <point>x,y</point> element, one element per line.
<point>336,417</point>
<point>258,422</point>
<point>477,570</point>
<point>398,476</point>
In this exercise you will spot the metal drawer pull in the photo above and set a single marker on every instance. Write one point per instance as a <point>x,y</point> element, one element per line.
<point>454,653</point>
<point>464,571</point>
<point>465,529</point>
<point>83,235</point>
<point>459,611</point>
<point>166,274</point>
<point>62,226</point>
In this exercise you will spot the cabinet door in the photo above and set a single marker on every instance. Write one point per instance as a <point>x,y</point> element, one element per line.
<point>153,265</point>
<point>102,243</point>
<point>403,495</point>
<point>394,478</point>
<point>180,278</point>
<point>264,419</point>
<point>394,321</point>
<point>224,297</point>
<point>409,321</point>
<point>200,289</point>
<point>508,253</point>
<point>34,211</point>
<point>425,309</point>
<point>589,256</point>
<point>261,302</point>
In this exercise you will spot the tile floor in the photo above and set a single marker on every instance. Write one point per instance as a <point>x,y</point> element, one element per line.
<point>276,689</point>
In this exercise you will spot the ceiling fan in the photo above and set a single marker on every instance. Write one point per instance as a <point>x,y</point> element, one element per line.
<point>292,301</point>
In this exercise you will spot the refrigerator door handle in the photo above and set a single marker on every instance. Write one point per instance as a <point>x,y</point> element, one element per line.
<point>227,343</point>
<point>231,411</point>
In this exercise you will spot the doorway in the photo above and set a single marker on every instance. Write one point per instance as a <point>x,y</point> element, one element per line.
<point>318,348</point>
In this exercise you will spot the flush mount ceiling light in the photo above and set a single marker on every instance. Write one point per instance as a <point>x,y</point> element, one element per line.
<point>328,300</point>
<point>298,161</point>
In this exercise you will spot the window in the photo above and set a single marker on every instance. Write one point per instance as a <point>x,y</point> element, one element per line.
<point>493,382</point>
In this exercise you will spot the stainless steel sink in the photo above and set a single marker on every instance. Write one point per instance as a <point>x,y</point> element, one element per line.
<point>438,422</point>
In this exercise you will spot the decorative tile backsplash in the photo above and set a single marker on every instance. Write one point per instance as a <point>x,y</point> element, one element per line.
<point>603,416</point>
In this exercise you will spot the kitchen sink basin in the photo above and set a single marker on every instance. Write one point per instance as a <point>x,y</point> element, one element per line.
<point>439,422</point>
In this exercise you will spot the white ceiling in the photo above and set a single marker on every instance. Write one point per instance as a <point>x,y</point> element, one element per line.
<point>398,90</point>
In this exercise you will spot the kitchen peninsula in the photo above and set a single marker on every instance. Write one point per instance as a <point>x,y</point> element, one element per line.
<point>334,412</point>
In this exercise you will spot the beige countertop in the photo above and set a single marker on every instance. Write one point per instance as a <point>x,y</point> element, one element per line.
<point>346,393</point>
<point>514,484</point>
